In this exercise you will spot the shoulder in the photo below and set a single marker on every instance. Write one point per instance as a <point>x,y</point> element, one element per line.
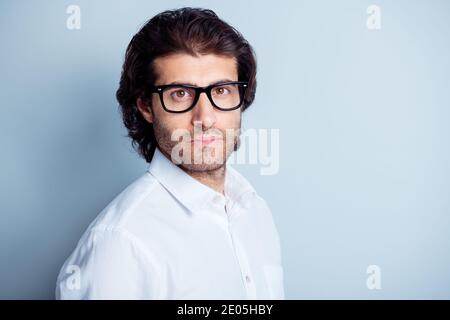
<point>120,220</point>
<point>127,204</point>
<point>109,248</point>
<point>109,263</point>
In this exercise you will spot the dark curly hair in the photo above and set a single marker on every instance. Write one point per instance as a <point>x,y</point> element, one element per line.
<point>186,30</point>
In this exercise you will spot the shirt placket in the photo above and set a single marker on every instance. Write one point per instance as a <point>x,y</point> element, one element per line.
<point>239,253</point>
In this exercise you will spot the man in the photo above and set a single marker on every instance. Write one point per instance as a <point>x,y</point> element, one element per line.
<point>191,227</point>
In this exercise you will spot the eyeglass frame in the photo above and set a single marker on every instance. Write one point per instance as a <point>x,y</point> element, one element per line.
<point>198,90</point>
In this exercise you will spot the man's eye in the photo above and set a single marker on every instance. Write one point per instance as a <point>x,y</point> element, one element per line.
<point>221,90</point>
<point>179,93</point>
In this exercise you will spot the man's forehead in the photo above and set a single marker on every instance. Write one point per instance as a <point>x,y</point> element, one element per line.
<point>199,70</point>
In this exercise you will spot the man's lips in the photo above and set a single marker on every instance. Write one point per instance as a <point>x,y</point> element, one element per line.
<point>205,140</point>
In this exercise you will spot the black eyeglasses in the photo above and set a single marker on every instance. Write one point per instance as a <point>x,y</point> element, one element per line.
<point>225,96</point>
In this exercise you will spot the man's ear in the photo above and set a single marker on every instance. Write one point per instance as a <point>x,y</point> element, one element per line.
<point>144,109</point>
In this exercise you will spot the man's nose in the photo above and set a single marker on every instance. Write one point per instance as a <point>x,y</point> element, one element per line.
<point>204,112</point>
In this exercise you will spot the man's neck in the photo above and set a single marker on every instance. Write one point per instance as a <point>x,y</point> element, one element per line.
<point>215,179</point>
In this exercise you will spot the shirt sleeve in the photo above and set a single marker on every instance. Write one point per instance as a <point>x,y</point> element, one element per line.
<point>110,264</point>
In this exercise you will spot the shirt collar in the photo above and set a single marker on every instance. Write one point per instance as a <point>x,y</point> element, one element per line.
<point>193,194</point>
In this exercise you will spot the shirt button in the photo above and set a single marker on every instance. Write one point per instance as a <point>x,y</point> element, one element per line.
<point>247,279</point>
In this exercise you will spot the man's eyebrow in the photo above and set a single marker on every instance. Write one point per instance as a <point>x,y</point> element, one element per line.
<point>186,83</point>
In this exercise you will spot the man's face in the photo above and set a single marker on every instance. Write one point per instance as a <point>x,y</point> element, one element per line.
<point>202,138</point>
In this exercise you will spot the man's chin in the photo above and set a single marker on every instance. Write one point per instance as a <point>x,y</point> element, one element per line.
<point>201,159</point>
<point>202,167</point>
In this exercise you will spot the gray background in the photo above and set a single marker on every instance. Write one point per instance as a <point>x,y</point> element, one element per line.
<point>364,137</point>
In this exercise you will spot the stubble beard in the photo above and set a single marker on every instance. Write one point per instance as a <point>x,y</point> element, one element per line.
<point>203,158</point>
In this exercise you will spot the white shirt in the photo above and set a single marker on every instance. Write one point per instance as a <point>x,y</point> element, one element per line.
<point>168,236</point>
